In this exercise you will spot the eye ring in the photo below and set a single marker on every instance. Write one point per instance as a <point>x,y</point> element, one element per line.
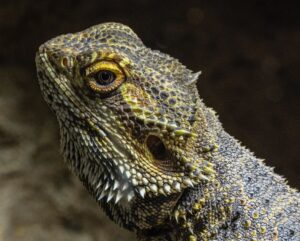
<point>104,76</point>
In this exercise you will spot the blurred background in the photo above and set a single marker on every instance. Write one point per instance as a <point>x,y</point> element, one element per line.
<point>248,52</point>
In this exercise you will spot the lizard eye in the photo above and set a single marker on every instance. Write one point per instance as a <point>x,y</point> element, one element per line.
<point>104,76</point>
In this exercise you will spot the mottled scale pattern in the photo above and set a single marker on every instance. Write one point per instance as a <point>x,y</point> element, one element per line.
<point>156,159</point>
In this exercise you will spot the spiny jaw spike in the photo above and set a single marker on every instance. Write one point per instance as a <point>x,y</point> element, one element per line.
<point>203,177</point>
<point>176,186</point>
<point>118,197</point>
<point>116,185</point>
<point>162,192</point>
<point>188,182</point>
<point>106,186</point>
<point>142,192</point>
<point>110,195</point>
<point>130,196</point>
<point>125,186</point>
<point>121,168</point>
<point>99,184</point>
<point>167,188</point>
<point>128,174</point>
<point>102,195</point>
<point>153,188</point>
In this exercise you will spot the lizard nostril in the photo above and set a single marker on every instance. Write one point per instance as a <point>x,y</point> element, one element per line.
<point>156,147</point>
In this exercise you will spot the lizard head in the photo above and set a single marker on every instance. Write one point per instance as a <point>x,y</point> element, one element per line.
<point>130,117</point>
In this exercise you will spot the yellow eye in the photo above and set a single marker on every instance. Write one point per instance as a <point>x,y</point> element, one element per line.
<point>104,76</point>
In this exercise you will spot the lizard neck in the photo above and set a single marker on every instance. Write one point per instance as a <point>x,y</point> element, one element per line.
<point>233,204</point>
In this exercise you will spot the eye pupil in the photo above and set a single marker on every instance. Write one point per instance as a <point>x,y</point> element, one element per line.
<point>105,77</point>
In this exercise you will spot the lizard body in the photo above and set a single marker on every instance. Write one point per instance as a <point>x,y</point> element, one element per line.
<point>155,158</point>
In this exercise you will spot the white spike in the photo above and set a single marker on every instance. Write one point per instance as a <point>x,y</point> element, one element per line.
<point>128,174</point>
<point>176,215</point>
<point>142,191</point>
<point>116,185</point>
<point>188,182</point>
<point>203,177</point>
<point>99,184</point>
<point>176,186</point>
<point>115,162</point>
<point>193,78</point>
<point>121,168</point>
<point>102,195</point>
<point>161,191</point>
<point>167,188</point>
<point>125,186</point>
<point>106,186</point>
<point>130,196</point>
<point>110,195</point>
<point>153,188</point>
<point>118,197</point>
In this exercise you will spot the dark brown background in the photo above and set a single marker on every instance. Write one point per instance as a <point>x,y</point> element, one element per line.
<point>248,52</point>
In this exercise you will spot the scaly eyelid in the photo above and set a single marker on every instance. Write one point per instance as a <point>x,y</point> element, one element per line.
<point>103,65</point>
<point>89,59</point>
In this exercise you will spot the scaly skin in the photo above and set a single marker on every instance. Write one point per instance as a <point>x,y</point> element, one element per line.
<point>155,158</point>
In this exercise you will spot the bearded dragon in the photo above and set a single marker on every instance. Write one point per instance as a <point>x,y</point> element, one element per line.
<point>156,159</point>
